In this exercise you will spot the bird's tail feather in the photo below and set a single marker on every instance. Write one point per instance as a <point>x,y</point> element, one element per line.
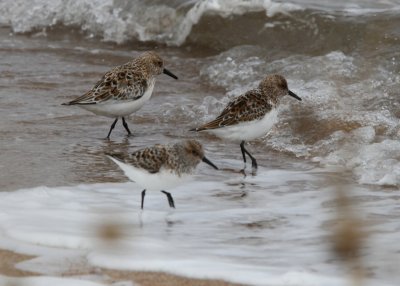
<point>126,168</point>
<point>197,129</point>
<point>116,156</point>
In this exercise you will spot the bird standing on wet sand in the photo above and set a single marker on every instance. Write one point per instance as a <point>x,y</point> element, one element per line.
<point>162,166</point>
<point>124,89</point>
<point>251,115</point>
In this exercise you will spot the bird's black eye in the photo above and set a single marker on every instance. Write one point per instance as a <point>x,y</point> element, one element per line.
<point>159,63</point>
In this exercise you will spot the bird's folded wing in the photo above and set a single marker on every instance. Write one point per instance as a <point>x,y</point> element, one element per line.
<point>118,84</point>
<point>247,107</point>
<point>151,159</point>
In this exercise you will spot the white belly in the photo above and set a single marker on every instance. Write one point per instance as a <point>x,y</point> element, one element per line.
<point>247,130</point>
<point>119,108</point>
<point>162,180</point>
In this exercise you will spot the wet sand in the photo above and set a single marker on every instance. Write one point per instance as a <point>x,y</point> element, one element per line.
<point>9,259</point>
<point>162,279</point>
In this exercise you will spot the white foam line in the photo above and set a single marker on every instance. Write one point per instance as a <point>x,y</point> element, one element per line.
<point>45,281</point>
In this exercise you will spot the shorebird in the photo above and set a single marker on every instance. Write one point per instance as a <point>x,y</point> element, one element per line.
<point>124,89</point>
<point>162,166</point>
<point>250,115</point>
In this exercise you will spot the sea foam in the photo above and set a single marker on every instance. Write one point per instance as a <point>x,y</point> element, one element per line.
<point>255,228</point>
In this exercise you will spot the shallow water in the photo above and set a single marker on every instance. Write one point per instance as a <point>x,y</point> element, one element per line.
<point>341,58</point>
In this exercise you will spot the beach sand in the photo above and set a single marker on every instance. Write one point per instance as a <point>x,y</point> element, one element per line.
<point>9,259</point>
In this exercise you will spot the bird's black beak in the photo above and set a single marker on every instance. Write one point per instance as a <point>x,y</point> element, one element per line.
<point>205,160</point>
<point>167,72</point>
<point>292,94</point>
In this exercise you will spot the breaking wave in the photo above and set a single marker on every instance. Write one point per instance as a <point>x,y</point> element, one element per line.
<point>168,22</point>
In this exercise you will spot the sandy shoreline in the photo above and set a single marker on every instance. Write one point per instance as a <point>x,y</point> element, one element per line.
<point>9,259</point>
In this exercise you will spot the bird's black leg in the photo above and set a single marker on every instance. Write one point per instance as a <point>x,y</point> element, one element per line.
<point>170,199</point>
<point>253,160</point>
<point>143,194</point>
<point>126,126</point>
<point>243,151</point>
<point>112,127</point>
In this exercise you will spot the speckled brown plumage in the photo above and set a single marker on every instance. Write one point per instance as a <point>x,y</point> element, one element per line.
<point>250,115</point>
<point>252,105</point>
<point>124,89</point>
<point>126,82</point>
<point>179,158</point>
<point>162,166</point>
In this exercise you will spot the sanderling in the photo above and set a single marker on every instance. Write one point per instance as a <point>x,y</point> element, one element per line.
<point>250,115</point>
<point>162,166</point>
<point>124,89</point>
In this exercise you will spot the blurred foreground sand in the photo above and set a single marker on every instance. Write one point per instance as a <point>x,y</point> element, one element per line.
<point>8,259</point>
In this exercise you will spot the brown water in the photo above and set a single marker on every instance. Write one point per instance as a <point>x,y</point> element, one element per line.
<point>341,58</point>
<point>44,143</point>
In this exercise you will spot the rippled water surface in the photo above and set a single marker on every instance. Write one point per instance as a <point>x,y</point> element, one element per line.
<point>342,58</point>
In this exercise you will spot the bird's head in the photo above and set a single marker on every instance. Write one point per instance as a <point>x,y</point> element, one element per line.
<point>155,64</point>
<point>276,86</point>
<point>195,152</point>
